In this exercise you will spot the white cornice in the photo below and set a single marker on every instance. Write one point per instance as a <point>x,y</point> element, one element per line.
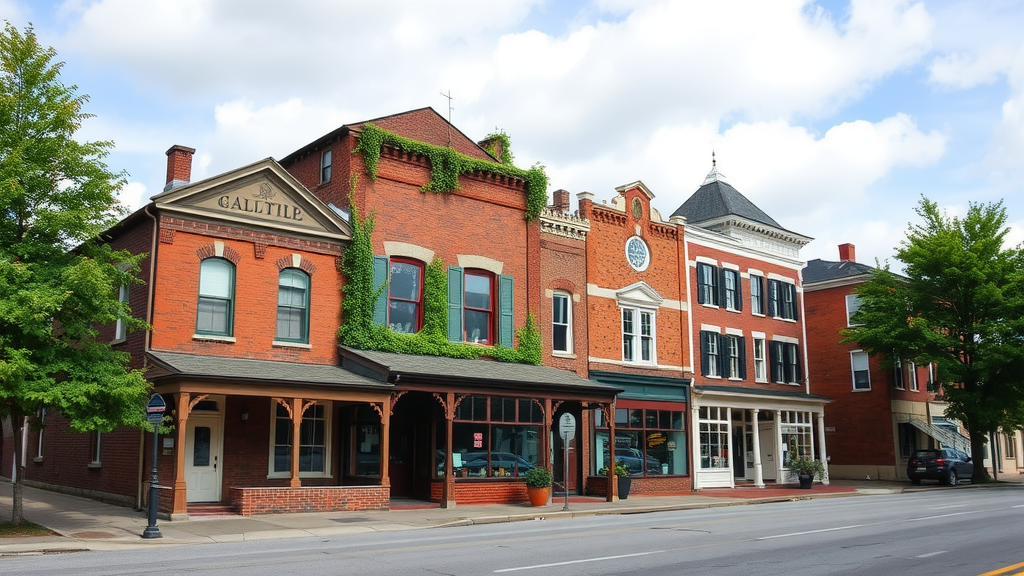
<point>562,224</point>
<point>730,245</point>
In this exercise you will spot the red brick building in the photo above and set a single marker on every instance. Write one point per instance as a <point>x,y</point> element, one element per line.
<point>878,414</point>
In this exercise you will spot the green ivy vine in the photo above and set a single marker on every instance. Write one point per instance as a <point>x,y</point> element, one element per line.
<point>499,137</point>
<point>446,165</point>
<point>359,297</point>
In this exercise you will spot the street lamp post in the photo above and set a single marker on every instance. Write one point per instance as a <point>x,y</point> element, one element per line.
<point>155,413</point>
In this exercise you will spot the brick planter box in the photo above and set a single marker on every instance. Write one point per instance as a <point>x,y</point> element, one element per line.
<point>249,501</point>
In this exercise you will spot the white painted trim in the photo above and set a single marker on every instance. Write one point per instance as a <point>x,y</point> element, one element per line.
<point>729,266</point>
<point>710,328</point>
<point>635,364</point>
<point>780,277</point>
<point>734,331</point>
<point>755,334</point>
<point>406,250</point>
<point>717,241</point>
<point>786,339</point>
<point>704,260</point>
<point>480,262</point>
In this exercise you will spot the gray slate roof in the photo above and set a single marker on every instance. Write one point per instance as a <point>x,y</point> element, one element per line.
<point>198,365</point>
<point>819,270</point>
<point>481,372</point>
<point>716,199</point>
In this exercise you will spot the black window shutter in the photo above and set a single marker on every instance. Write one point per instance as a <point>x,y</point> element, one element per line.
<point>796,307</point>
<point>704,360</point>
<point>700,284</point>
<point>739,290</point>
<point>743,357</point>
<point>796,365</point>
<point>721,287</point>
<point>723,354</point>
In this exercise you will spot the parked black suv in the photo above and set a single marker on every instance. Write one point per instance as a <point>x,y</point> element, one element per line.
<point>946,465</point>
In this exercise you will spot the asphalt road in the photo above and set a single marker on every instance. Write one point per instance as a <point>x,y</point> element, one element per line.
<point>951,532</point>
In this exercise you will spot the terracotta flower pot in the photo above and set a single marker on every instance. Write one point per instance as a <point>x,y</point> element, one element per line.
<point>539,496</point>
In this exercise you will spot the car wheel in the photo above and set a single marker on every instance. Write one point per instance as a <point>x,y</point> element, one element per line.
<point>951,479</point>
<point>915,481</point>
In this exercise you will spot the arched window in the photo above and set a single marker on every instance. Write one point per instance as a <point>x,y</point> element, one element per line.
<point>216,297</point>
<point>293,306</point>
<point>478,307</point>
<point>405,296</point>
<point>561,322</point>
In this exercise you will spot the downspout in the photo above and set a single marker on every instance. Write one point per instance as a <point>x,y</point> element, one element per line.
<point>803,331</point>
<point>145,350</point>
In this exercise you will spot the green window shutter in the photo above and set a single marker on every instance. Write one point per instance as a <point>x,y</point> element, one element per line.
<point>454,304</point>
<point>505,306</point>
<point>380,278</point>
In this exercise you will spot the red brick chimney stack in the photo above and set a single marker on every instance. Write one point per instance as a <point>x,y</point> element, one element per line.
<point>561,201</point>
<point>179,166</point>
<point>847,252</point>
<point>586,200</point>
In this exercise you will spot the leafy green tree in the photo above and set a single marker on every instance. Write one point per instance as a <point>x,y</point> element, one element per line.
<point>960,305</point>
<point>58,280</point>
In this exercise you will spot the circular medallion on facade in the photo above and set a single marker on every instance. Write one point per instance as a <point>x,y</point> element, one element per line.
<point>638,208</point>
<point>637,254</point>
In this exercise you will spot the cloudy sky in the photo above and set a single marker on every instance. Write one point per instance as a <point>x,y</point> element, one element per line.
<point>834,117</point>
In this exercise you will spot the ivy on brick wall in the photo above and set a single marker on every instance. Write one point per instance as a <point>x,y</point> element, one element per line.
<point>498,137</point>
<point>446,165</point>
<point>359,296</point>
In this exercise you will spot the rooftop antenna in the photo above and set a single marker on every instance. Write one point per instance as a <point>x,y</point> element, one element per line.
<point>449,97</point>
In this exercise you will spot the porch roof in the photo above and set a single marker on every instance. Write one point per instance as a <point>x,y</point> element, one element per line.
<point>403,368</point>
<point>219,367</point>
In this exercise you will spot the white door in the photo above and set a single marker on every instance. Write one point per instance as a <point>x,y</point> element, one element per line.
<point>769,463</point>
<point>202,458</point>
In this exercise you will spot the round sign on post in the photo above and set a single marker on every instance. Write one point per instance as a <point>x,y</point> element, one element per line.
<point>567,426</point>
<point>155,410</point>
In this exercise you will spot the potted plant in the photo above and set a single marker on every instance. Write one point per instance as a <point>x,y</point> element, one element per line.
<point>538,485</point>
<point>623,479</point>
<point>806,470</point>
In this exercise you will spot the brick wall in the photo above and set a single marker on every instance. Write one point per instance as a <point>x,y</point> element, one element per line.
<point>563,268</point>
<point>255,310</point>
<point>860,418</point>
<point>250,501</point>
<point>649,486</point>
<point>484,492</point>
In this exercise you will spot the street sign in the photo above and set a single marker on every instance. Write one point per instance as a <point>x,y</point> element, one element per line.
<point>155,409</point>
<point>567,426</point>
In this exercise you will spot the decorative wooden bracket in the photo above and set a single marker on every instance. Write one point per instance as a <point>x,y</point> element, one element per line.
<point>194,401</point>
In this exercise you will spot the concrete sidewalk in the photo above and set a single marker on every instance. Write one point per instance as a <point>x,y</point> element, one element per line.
<point>84,524</point>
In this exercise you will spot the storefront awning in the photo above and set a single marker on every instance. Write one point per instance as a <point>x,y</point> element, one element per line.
<point>759,394</point>
<point>202,367</point>
<point>408,369</point>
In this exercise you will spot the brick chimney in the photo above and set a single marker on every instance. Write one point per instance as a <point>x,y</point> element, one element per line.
<point>847,252</point>
<point>179,166</point>
<point>493,146</point>
<point>560,199</point>
<point>586,200</point>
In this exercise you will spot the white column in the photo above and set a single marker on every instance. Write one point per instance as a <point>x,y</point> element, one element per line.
<point>780,456</point>
<point>758,472</point>
<point>821,445</point>
<point>731,448</point>
<point>695,433</point>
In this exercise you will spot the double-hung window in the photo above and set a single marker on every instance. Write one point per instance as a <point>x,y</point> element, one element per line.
<point>292,306</point>
<point>757,294</point>
<point>912,373</point>
<point>216,297</point>
<point>723,355</point>
<point>121,328</point>
<point>852,305</point>
<point>784,361</point>
<point>313,442</point>
<point>405,296</point>
<point>760,361</point>
<point>897,374</point>
<point>731,292</point>
<point>707,284</point>
<point>479,307</point>
<point>782,300</point>
<point>861,374</point>
<point>561,326</point>
<point>637,335</point>
<point>325,166</point>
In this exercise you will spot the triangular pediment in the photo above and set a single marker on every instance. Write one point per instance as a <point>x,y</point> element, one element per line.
<point>260,195</point>
<point>639,294</point>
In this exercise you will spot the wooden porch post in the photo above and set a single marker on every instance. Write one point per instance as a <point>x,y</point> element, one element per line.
<point>546,437</point>
<point>180,505</point>
<point>385,442</point>
<point>296,427</point>
<point>448,490</point>
<point>613,485</point>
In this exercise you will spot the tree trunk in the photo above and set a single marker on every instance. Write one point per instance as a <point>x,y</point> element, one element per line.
<point>978,457</point>
<point>17,509</point>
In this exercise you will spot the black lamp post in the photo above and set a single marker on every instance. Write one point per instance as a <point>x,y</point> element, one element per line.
<point>155,413</point>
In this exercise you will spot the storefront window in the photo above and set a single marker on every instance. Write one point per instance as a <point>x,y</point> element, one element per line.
<point>648,442</point>
<point>796,436</point>
<point>494,437</point>
<point>714,437</point>
<point>366,442</point>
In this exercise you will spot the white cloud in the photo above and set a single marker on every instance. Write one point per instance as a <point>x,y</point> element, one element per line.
<point>134,195</point>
